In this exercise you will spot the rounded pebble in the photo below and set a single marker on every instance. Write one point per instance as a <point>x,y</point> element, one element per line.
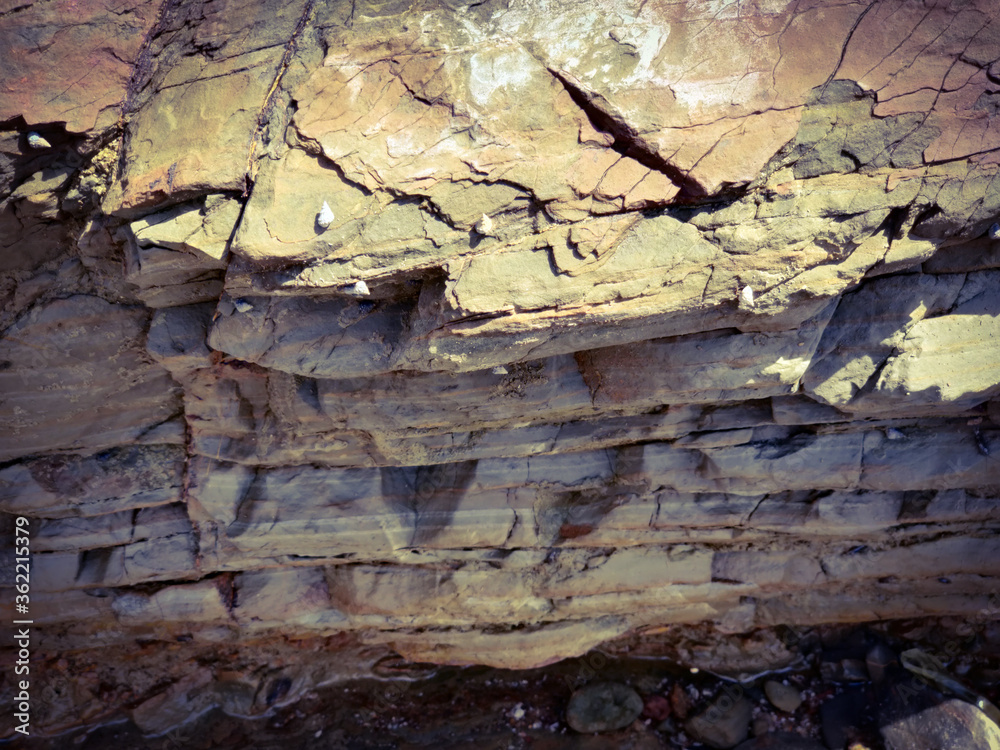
<point>603,707</point>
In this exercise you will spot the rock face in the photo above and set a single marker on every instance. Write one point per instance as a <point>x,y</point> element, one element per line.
<point>621,315</point>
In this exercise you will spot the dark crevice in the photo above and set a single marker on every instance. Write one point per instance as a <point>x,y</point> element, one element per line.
<point>475,317</point>
<point>230,591</point>
<point>92,565</point>
<point>308,391</point>
<point>928,213</point>
<point>327,163</point>
<point>417,97</point>
<point>267,106</point>
<point>847,42</point>
<point>142,73</point>
<point>960,157</point>
<point>244,507</point>
<point>914,505</point>
<point>871,384</point>
<point>177,414</point>
<point>16,9</point>
<point>895,223</point>
<point>853,159</point>
<point>627,143</point>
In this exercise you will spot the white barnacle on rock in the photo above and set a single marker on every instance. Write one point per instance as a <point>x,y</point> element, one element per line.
<point>360,289</point>
<point>484,225</point>
<point>325,217</point>
<point>893,434</point>
<point>746,299</point>
<point>994,232</point>
<point>243,306</point>
<point>499,370</point>
<point>36,141</point>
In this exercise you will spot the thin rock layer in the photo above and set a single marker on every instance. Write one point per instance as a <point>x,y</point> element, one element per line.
<point>622,315</point>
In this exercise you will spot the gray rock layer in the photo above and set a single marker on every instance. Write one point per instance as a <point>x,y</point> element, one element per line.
<point>595,341</point>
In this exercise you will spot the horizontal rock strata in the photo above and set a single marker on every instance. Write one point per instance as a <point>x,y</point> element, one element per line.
<point>627,315</point>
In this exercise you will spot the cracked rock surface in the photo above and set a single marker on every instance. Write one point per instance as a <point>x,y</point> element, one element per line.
<point>623,315</point>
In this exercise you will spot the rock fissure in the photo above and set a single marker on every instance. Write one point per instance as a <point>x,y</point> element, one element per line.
<point>626,321</point>
<point>625,141</point>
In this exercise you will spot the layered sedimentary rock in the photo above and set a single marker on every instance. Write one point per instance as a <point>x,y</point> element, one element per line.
<point>628,315</point>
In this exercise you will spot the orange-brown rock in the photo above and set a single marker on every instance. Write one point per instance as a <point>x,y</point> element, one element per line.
<point>489,333</point>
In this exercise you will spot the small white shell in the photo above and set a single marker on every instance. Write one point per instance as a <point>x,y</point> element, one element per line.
<point>325,217</point>
<point>746,299</point>
<point>499,370</point>
<point>995,232</point>
<point>893,434</point>
<point>36,141</point>
<point>484,225</point>
<point>243,306</point>
<point>360,288</point>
